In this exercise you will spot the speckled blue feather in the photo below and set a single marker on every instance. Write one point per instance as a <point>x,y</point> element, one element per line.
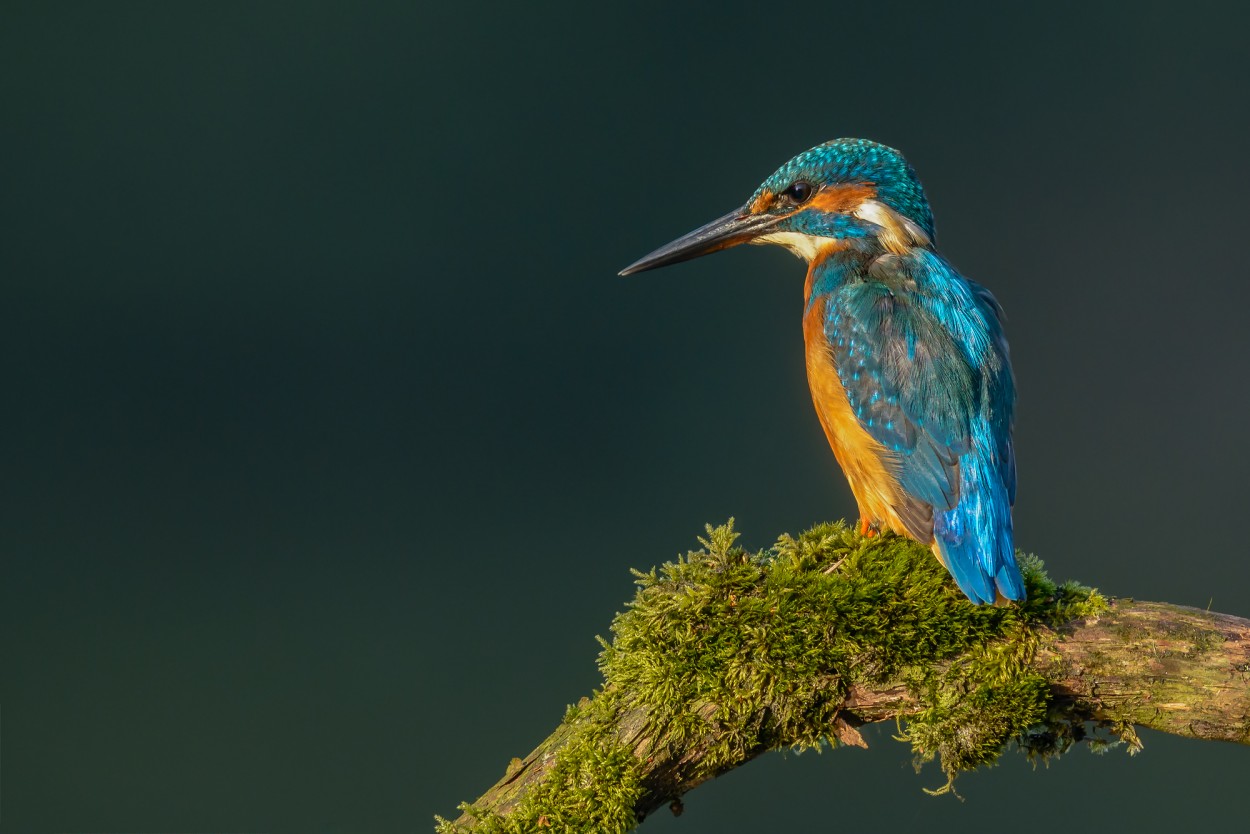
<point>920,353</point>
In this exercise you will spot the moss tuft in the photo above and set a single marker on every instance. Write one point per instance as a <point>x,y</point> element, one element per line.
<point>592,784</point>
<point>750,651</point>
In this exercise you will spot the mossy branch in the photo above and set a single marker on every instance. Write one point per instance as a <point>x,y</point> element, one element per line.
<point>726,654</point>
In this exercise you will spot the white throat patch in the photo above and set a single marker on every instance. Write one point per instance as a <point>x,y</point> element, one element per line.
<point>804,246</point>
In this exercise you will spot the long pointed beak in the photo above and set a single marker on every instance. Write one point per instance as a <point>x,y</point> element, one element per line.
<point>738,226</point>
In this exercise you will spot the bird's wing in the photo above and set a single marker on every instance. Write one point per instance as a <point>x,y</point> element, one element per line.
<point>907,380</point>
<point>921,355</point>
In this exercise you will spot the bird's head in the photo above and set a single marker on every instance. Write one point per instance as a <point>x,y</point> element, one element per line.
<point>836,194</point>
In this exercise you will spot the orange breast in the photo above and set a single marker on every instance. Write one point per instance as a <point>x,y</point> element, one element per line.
<point>866,463</point>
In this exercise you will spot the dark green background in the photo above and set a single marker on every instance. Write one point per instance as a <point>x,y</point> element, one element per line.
<point>331,434</point>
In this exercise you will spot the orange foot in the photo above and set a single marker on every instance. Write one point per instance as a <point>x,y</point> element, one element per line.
<point>869,528</point>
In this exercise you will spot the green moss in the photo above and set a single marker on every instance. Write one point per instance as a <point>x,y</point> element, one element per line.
<point>593,783</point>
<point>758,650</point>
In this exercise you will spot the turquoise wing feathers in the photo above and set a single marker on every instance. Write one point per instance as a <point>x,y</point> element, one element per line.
<point>921,355</point>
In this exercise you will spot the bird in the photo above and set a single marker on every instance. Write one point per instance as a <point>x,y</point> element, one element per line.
<point>907,360</point>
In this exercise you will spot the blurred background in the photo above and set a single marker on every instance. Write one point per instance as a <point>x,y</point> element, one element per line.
<point>331,433</point>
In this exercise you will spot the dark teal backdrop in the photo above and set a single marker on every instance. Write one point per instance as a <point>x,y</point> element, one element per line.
<point>331,434</point>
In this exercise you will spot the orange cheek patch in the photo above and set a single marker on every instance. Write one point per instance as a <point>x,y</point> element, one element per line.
<point>763,202</point>
<point>841,198</point>
<point>834,198</point>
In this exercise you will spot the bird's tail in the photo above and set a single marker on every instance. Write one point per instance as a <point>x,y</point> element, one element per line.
<point>974,538</point>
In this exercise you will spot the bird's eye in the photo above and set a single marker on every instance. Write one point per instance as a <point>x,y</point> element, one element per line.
<point>799,192</point>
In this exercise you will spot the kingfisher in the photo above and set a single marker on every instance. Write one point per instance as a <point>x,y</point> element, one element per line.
<point>906,358</point>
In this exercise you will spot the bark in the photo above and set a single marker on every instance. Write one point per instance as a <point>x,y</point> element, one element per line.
<point>1151,664</point>
<point>1147,664</point>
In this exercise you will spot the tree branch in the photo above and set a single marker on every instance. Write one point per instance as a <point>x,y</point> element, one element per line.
<point>724,655</point>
